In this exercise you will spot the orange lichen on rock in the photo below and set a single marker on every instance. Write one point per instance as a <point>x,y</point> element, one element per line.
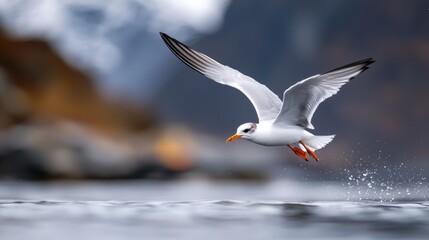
<point>172,154</point>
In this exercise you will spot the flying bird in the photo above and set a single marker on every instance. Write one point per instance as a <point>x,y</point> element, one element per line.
<point>280,123</point>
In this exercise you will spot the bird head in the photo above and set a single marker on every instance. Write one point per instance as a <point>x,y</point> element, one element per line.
<point>244,131</point>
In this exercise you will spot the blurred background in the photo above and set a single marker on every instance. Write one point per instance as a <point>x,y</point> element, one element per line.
<point>88,90</point>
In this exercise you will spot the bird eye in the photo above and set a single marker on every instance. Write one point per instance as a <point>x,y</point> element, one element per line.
<point>246,130</point>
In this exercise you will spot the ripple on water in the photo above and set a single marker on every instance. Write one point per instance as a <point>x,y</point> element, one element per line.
<point>330,211</point>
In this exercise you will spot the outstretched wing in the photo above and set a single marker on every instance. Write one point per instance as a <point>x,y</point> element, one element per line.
<point>301,100</point>
<point>266,103</point>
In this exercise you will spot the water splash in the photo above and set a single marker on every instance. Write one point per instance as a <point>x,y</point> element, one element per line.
<point>377,178</point>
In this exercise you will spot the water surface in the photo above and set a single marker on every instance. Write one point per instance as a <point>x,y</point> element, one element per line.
<point>205,210</point>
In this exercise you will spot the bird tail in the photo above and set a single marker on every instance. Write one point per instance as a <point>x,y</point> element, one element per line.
<point>318,142</point>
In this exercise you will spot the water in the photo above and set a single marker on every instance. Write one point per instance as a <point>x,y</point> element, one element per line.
<point>207,210</point>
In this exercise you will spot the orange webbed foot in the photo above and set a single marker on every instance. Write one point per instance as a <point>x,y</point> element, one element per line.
<point>310,152</point>
<point>298,152</point>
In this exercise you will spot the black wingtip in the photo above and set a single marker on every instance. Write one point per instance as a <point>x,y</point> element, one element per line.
<point>364,62</point>
<point>164,36</point>
<point>184,53</point>
<point>167,38</point>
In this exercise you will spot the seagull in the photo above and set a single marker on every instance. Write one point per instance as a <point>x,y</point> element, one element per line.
<point>280,123</point>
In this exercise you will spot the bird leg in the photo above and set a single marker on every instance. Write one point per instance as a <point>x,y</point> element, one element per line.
<point>298,152</point>
<point>310,152</point>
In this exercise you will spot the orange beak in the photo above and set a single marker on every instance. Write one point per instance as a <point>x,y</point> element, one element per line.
<point>233,137</point>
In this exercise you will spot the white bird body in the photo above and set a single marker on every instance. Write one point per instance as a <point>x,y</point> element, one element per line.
<point>268,134</point>
<point>280,123</point>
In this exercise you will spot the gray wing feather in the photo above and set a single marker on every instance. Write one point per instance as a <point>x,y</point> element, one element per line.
<point>301,100</point>
<point>266,103</point>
